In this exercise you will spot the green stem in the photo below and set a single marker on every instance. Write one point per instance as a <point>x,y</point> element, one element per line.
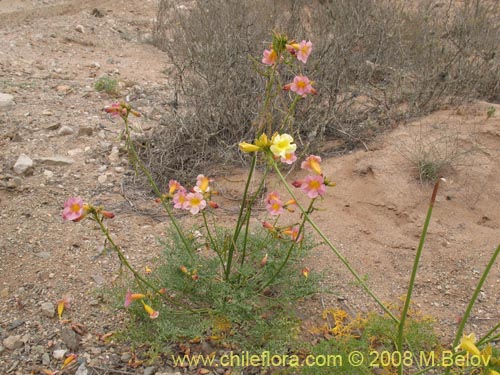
<point>290,112</point>
<point>334,249</point>
<point>474,298</point>
<point>239,223</point>
<point>212,242</point>
<point>137,162</point>
<point>399,341</point>
<point>292,246</point>
<point>489,333</point>
<point>124,261</point>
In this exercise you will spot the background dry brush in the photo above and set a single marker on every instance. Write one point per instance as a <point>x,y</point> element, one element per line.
<point>376,63</point>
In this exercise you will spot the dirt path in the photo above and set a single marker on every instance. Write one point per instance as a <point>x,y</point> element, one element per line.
<point>53,52</point>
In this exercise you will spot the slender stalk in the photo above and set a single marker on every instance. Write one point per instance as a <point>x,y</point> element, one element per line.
<point>292,246</point>
<point>137,162</point>
<point>239,222</point>
<point>399,341</point>
<point>489,333</point>
<point>473,299</point>
<point>334,249</point>
<point>212,242</point>
<point>124,261</point>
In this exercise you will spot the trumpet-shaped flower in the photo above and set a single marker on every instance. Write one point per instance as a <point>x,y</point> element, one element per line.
<point>70,358</point>
<point>202,184</point>
<point>304,50</point>
<point>195,203</point>
<point>289,158</point>
<point>153,314</point>
<point>313,186</point>
<point>468,343</point>
<point>275,207</point>
<point>312,163</point>
<point>282,145</point>
<point>131,297</point>
<point>180,199</point>
<point>173,186</point>
<point>270,57</point>
<point>248,147</point>
<point>301,85</point>
<point>273,196</point>
<point>294,233</point>
<point>74,209</point>
<point>305,272</point>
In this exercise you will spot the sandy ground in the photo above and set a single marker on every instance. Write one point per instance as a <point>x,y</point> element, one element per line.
<point>51,54</point>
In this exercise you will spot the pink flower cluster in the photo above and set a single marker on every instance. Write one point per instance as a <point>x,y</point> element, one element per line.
<point>194,201</point>
<point>301,51</point>
<point>313,185</point>
<point>275,206</point>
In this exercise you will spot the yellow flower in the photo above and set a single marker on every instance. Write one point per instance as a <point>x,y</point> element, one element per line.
<point>467,343</point>
<point>282,145</point>
<point>153,314</point>
<point>248,147</point>
<point>493,372</point>
<point>262,141</point>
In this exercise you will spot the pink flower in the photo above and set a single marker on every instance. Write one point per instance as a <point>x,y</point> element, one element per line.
<point>195,203</point>
<point>173,186</point>
<point>202,184</point>
<point>180,199</point>
<point>73,209</point>
<point>275,207</point>
<point>272,196</point>
<point>304,51</point>
<point>270,57</point>
<point>294,233</point>
<point>313,186</point>
<point>301,85</point>
<point>289,158</point>
<point>312,163</point>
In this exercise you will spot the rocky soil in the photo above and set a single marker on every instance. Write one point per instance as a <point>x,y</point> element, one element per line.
<point>56,142</point>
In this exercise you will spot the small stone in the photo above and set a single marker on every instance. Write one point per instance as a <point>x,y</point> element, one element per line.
<point>125,357</point>
<point>45,359</point>
<point>63,88</point>
<point>65,130</point>
<point>23,164</point>
<point>102,179</point>
<point>114,156</point>
<point>53,127</point>
<point>4,293</point>
<point>71,339</point>
<point>95,65</point>
<point>75,151</point>
<point>85,131</point>
<point>149,370</point>
<point>55,160</point>
<point>82,370</point>
<point>14,182</point>
<point>99,280</point>
<point>43,255</point>
<point>48,174</point>
<point>46,112</point>
<point>80,29</point>
<point>59,354</point>
<point>16,323</point>
<point>13,342</point>
<point>48,309</point>
<point>2,349</point>
<point>6,102</point>
<point>102,168</point>
<point>119,169</point>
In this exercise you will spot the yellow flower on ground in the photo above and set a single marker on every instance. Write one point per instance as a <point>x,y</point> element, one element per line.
<point>282,145</point>
<point>468,343</point>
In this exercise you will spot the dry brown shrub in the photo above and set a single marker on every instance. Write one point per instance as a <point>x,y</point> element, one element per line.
<point>375,63</point>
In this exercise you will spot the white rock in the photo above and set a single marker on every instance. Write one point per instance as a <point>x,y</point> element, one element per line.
<point>65,130</point>
<point>46,112</point>
<point>102,179</point>
<point>75,151</point>
<point>48,309</point>
<point>82,370</point>
<point>6,102</point>
<point>119,169</point>
<point>102,168</point>
<point>79,28</point>
<point>59,354</point>
<point>48,174</point>
<point>114,156</point>
<point>23,163</point>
